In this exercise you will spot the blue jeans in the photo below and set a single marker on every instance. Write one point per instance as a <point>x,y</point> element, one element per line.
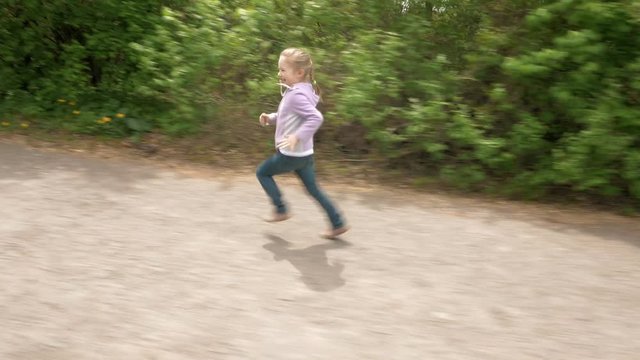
<point>305,169</point>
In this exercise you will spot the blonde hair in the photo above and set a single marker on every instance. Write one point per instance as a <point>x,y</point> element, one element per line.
<point>300,59</point>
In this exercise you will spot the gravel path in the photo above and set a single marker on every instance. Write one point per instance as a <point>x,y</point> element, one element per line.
<point>114,259</point>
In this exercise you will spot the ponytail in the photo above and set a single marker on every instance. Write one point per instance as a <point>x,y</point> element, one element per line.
<point>314,83</point>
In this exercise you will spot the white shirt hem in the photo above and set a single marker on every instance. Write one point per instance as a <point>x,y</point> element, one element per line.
<point>297,154</point>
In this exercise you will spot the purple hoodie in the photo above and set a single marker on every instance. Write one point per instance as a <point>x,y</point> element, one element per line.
<point>297,114</point>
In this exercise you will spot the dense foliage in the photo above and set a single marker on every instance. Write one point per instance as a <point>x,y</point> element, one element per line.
<point>526,97</point>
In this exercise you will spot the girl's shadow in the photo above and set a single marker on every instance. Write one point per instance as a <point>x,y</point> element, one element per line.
<point>312,262</point>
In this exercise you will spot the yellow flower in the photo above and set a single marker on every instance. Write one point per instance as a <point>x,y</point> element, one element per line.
<point>76,112</point>
<point>24,125</point>
<point>6,123</point>
<point>106,119</point>
<point>62,101</point>
<point>120,115</point>
<point>72,103</point>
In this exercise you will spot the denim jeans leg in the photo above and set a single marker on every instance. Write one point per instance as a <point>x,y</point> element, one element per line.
<point>308,177</point>
<point>277,164</point>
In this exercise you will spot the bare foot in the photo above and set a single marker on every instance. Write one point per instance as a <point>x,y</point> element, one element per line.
<point>277,217</point>
<point>334,233</point>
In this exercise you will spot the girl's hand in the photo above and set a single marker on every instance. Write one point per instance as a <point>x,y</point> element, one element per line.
<point>288,142</point>
<point>264,119</point>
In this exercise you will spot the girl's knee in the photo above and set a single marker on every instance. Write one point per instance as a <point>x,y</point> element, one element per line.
<point>315,192</point>
<point>261,171</point>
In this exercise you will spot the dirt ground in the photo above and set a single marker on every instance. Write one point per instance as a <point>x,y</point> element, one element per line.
<point>130,259</point>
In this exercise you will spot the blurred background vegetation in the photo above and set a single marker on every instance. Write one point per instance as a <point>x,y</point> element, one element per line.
<point>526,98</point>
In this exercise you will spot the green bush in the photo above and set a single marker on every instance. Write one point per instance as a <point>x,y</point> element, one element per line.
<point>525,97</point>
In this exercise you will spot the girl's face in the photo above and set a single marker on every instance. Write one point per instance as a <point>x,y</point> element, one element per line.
<point>287,74</point>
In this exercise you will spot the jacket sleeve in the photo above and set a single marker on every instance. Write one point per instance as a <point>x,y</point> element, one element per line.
<point>311,117</point>
<point>273,118</point>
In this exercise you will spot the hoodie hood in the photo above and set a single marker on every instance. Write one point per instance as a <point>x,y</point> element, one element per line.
<point>306,89</point>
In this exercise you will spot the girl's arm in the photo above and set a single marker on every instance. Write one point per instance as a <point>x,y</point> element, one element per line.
<point>312,117</point>
<point>273,118</point>
<point>268,119</point>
